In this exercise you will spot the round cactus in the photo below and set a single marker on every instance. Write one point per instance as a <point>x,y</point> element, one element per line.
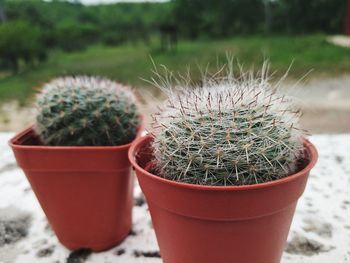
<point>86,111</point>
<point>228,131</point>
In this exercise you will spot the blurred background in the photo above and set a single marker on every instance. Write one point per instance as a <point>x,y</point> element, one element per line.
<point>40,40</point>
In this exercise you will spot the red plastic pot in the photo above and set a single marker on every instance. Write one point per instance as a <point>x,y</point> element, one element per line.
<point>206,224</point>
<point>86,192</point>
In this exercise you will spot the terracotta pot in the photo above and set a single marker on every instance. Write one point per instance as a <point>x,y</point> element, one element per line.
<point>86,192</point>
<point>207,224</point>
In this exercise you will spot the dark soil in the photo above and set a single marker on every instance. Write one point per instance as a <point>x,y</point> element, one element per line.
<point>79,256</point>
<point>147,254</point>
<point>13,229</point>
<point>45,252</point>
<point>301,245</point>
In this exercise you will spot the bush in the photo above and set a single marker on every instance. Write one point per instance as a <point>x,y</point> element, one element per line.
<point>20,41</point>
<point>70,37</point>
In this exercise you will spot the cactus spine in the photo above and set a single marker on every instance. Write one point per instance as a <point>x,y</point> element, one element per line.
<point>228,131</point>
<point>86,111</point>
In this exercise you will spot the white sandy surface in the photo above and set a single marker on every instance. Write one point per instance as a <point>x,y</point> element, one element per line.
<point>320,232</point>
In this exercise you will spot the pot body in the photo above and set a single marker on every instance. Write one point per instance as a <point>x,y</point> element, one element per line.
<point>85,192</point>
<point>206,224</point>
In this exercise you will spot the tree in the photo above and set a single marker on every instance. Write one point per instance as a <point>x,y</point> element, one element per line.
<point>71,36</point>
<point>347,19</point>
<point>219,18</point>
<point>300,16</point>
<point>20,41</point>
<point>2,11</point>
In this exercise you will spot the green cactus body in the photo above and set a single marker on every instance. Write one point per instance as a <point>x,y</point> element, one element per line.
<point>86,111</point>
<point>228,132</point>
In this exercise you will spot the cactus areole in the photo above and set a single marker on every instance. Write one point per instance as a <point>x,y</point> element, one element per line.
<point>75,159</point>
<point>229,162</point>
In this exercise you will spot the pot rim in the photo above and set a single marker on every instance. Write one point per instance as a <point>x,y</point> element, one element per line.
<point>307,144</point>
<point>14,143</point>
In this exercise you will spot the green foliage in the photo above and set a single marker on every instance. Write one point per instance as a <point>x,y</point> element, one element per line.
<point>86,111</point>
<point>19,40</point>
<point>218,18</point>
<point>222,18</point>
<point>227,131</point>
<point>193,18</point>
<point>72,26</point>
<point>299,16</point>
<point>71,36</point>
<point>127,63</point>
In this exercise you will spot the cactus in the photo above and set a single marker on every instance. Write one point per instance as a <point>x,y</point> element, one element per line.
<point>86,111</point>
<point>227,131</point>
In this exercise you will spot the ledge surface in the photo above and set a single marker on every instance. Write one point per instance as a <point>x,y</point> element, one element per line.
<point>320,232</point>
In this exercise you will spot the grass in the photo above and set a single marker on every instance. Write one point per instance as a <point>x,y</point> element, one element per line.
<point>128,63</point>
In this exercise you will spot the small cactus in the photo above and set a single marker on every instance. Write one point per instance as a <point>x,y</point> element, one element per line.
<point>227,131</point>
<point>86,111</point>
